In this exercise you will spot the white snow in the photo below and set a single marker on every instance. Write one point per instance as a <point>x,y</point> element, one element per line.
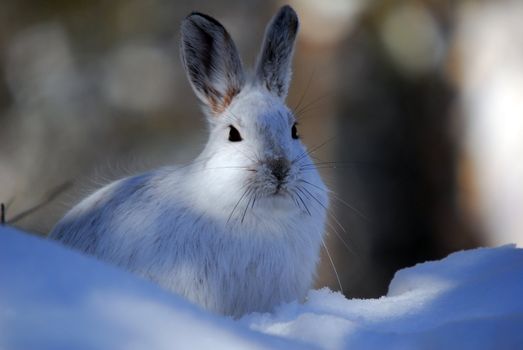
<point>55,298</point>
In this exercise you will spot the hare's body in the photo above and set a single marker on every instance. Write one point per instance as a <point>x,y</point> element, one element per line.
<point>240,228</point>
<point>229,268</point>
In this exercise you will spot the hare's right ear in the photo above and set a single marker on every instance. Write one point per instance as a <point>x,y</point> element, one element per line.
<point>273,68</point>
<point>211,61</point>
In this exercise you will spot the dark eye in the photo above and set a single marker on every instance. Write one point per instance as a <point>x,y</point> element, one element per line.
<point>295,132</point>
<point>234,134</point>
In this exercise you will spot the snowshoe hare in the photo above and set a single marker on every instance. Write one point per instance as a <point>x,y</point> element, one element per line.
<point>240,228</point>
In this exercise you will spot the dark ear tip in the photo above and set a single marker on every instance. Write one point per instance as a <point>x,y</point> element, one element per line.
<point>198,17</point>
<point>287,14</point>
<point>288,9</point>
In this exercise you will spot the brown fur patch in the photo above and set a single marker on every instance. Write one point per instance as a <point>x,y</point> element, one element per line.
<point>220,103</point>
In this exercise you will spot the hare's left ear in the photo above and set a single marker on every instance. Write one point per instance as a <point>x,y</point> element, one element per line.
<point>211,61</point>
<point>273,68</point>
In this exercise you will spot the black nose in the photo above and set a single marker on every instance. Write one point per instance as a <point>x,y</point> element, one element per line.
<point>279,168</point>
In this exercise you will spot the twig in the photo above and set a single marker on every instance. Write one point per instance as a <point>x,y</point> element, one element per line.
<point>50,196</point>
<point>2,213</point>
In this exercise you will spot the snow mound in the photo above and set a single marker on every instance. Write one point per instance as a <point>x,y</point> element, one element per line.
<point>55,298</point>
<point>470,300</point>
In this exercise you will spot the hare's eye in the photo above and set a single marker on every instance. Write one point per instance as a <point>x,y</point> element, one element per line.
<point>234,134</point>
<point>295,132</point>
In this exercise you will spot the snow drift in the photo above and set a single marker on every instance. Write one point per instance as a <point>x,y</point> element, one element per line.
<point>55,298</point>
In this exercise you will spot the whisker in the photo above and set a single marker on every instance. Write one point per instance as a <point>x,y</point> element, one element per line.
<point>336,232</point>
<point>324,207</point>
<point>247,206</point>
<point>229,167</point>
<point>308,152</point>
<point>339,164</point>
<point>340,237</point>
<point>304,92</point>
<point>332,264</point>
<point>310,168</point>
<point>296,201</point>
<point>237,203</point>
<point>198,160</point>
<point>301,116</point>
<point>303,202</point>
<point>344,242</point>
<point>331,215</point>
<point>312,150</point>
<point>335,196</point>
<point>326,167</point>
<point>310,104</point>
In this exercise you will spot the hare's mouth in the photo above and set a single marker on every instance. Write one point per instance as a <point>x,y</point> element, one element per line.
<point>276,192</point>
<point>281,199</point>
<point>279,190</point>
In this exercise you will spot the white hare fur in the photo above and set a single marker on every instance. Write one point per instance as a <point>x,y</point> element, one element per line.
<point>239,229</point>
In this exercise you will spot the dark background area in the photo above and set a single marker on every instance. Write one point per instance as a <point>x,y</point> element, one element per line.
<point>417,106</point>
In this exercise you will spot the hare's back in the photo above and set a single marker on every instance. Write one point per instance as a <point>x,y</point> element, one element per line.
<point>105,212</point>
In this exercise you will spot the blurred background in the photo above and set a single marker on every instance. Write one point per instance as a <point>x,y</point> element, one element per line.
<point>418,106</point>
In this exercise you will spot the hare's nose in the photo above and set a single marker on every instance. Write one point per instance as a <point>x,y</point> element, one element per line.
<point>279,168</point>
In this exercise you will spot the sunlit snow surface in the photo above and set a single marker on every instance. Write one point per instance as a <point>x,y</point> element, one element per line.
<point>54,298</point>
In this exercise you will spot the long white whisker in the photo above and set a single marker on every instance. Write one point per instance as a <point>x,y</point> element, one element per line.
<point>332,264</point>
<point>312,150</point>
<point>342,240</point>
<point>305,92</point>
<point>324,207</point>
<point>310,104</point>
<point>335,196</point>
<point>335,219</point>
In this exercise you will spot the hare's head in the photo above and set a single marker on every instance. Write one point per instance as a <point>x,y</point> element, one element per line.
<point>253,133</point>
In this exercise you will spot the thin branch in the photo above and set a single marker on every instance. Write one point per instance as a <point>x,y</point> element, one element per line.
<point>49,197</point>
<point>2,213</point>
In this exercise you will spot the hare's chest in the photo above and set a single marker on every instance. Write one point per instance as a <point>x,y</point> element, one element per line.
<point>258,275</point>
<point>237,274</point>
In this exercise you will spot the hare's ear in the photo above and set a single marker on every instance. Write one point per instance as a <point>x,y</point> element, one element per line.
<point>211,61</point>
<point>273,68</point>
